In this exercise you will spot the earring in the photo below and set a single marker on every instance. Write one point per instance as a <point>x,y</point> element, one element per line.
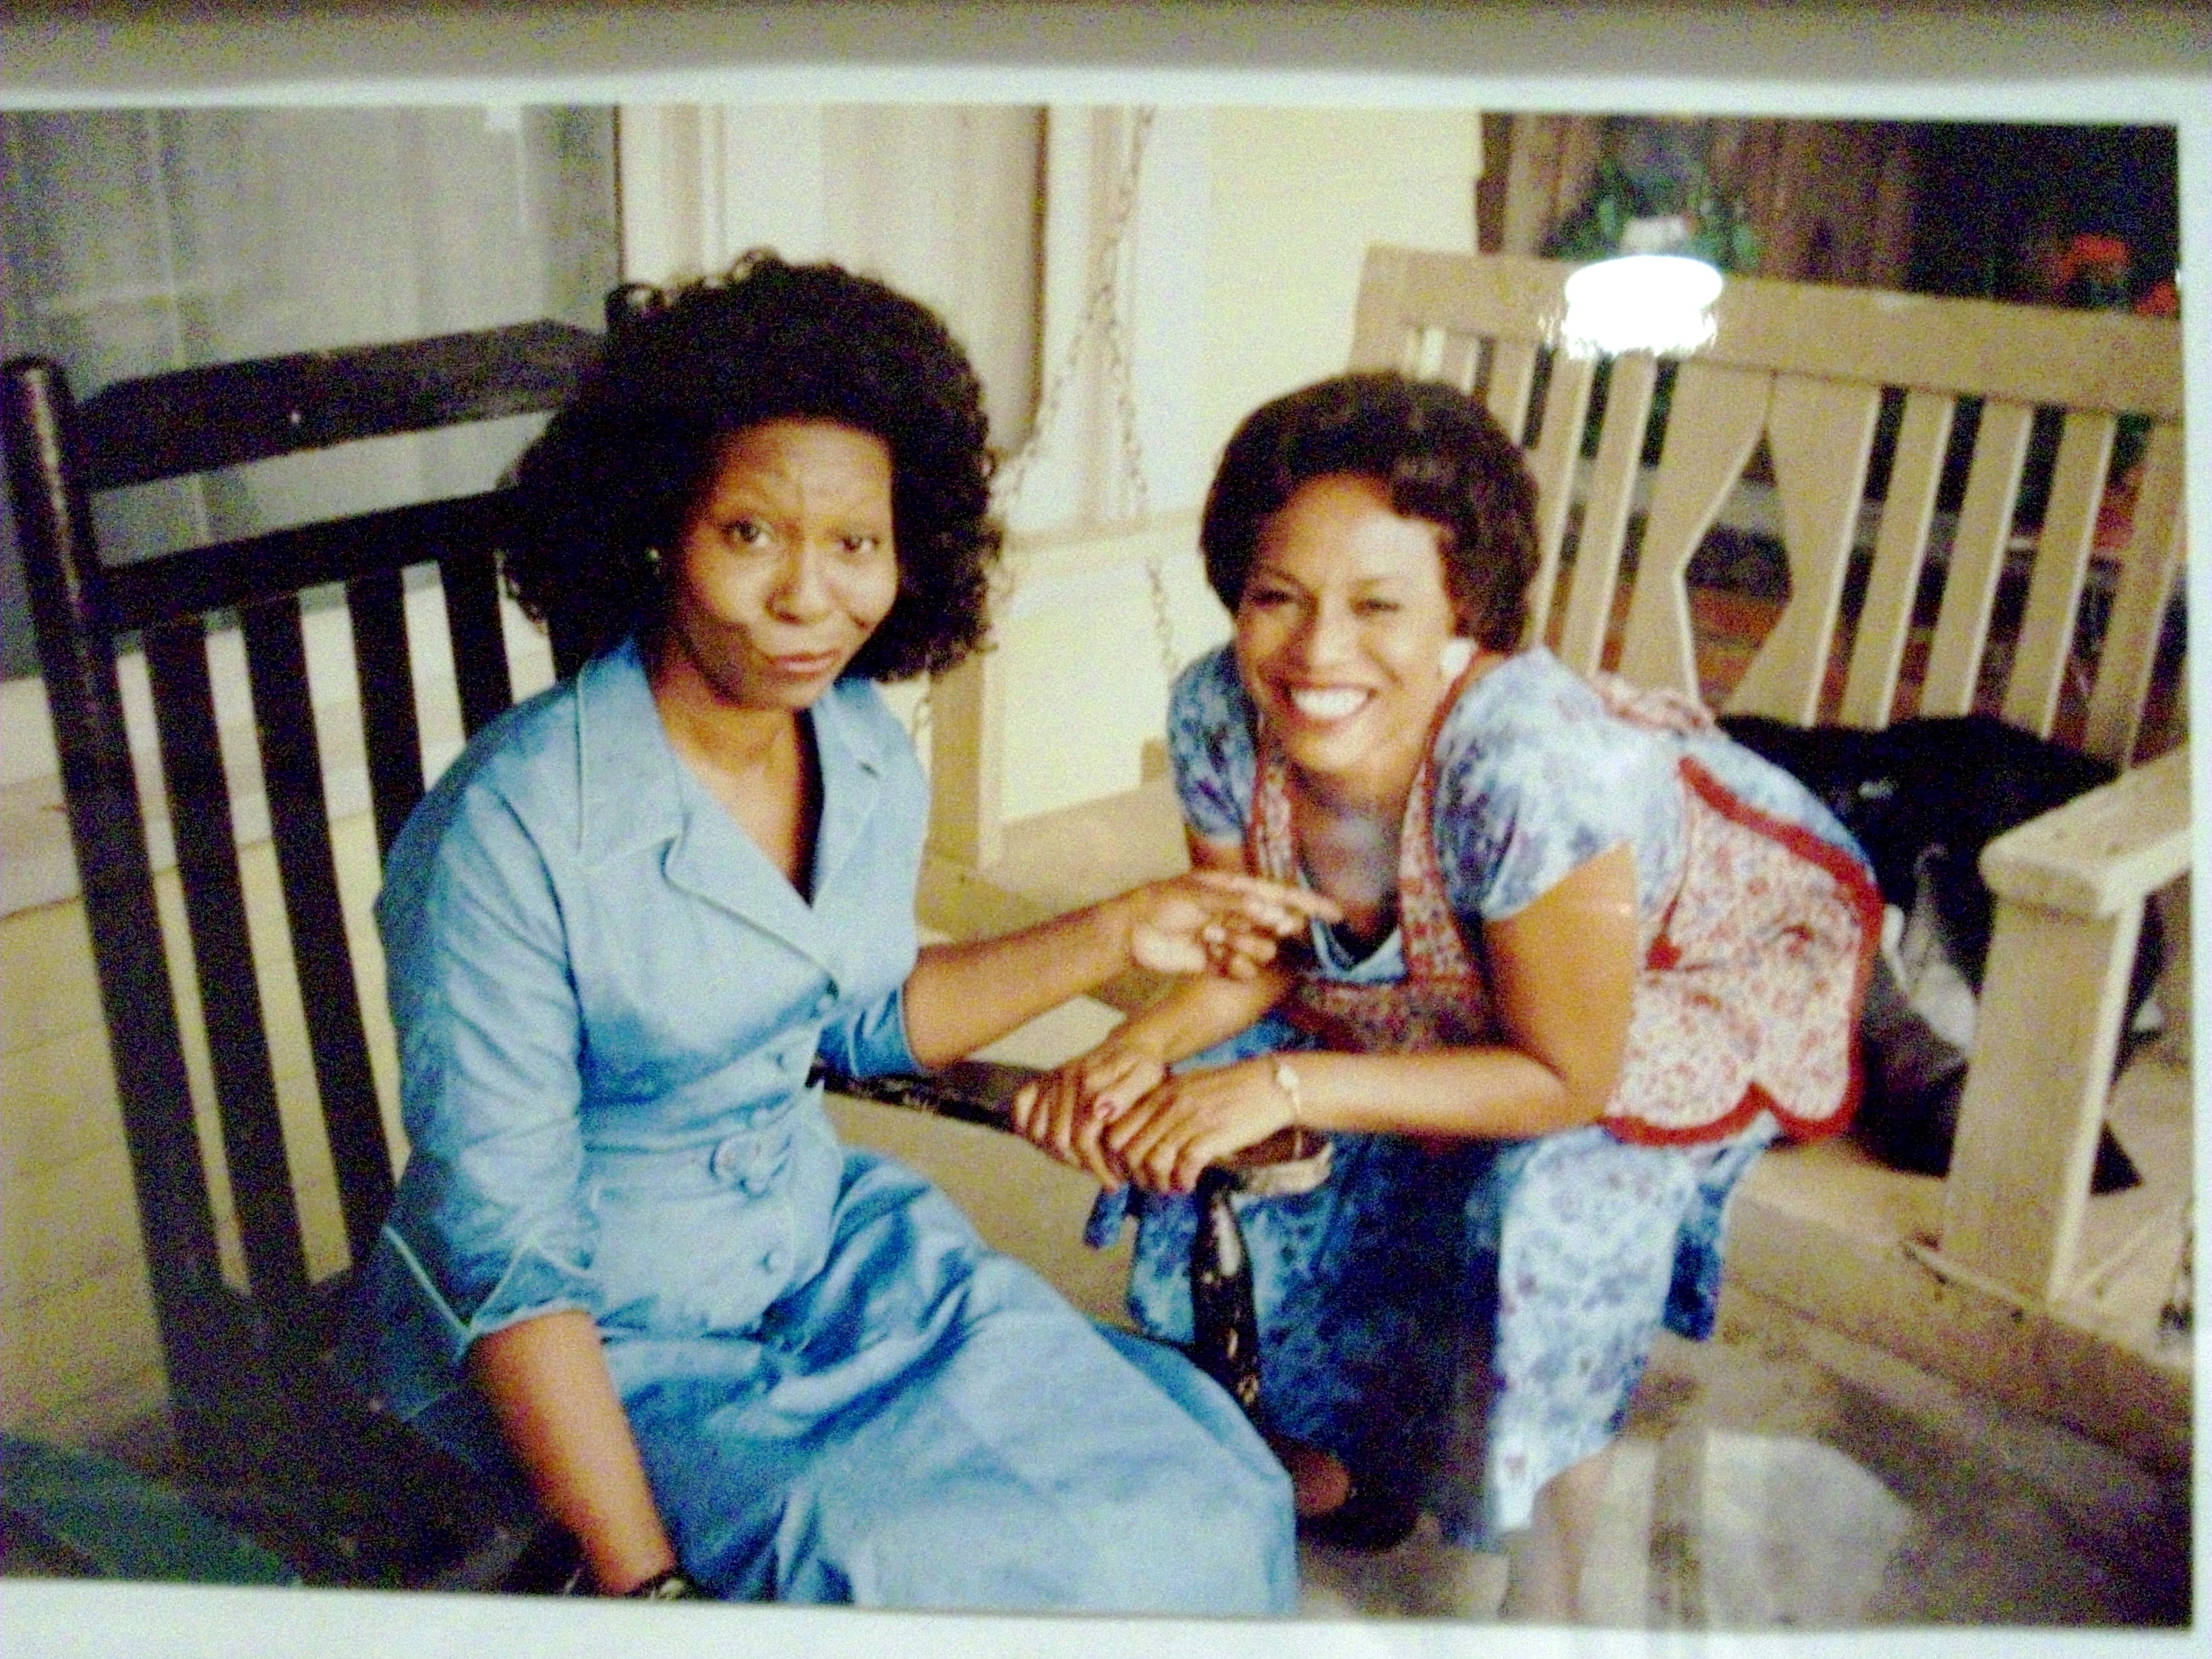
<point>653,560</point>
<point>1452,657</point>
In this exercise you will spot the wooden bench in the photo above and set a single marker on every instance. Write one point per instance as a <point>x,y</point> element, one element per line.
<point>2006,1275</point>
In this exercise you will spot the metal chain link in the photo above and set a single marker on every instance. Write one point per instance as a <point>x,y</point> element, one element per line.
<point>1100,320</point>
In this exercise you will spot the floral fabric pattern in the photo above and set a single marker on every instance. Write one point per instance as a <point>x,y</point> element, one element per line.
<point>1475,1315</point>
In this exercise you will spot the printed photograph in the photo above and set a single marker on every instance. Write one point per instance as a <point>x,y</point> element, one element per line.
<point>1233,860</point>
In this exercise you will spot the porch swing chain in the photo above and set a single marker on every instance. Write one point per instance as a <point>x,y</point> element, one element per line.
<point>1100,320</point>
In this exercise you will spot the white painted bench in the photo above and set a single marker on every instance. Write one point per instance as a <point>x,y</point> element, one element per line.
<point>2006,1275</point>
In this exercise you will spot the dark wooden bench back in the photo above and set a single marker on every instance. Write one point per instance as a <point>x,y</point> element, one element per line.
<point>62,453</point>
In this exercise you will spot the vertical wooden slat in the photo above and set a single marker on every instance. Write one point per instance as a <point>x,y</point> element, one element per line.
<point>1900,550</point>
<point>77,659</point>
<point>1819,434</point>
<point>376,607</point>
<point>1512,379</point>
<point>1977,559</point>
<point>1458,359</point>
<point>2062,563</point>
<point>1605,510</point>
<point>967,809</point>
<point>470,580</point>
<point>1714,425</point>
<point>1379,323</point>
<point>222,961</point>
<point>276,667</point>
<point>2138,615</point>
<point>1566,407</point>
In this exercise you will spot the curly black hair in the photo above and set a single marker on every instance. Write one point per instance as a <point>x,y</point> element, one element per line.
<point>619,469</point>
<point>1439,452</point>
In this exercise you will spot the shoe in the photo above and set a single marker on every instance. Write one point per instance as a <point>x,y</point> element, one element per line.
<point>1375,1515</point>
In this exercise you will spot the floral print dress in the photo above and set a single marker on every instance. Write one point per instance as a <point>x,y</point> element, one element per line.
<point>1474,1316</point>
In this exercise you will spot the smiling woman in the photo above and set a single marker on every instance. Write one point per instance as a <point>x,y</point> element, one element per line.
<point>1592,958</point>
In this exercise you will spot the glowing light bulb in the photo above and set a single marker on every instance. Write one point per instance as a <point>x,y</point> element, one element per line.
<point>1655,303</point>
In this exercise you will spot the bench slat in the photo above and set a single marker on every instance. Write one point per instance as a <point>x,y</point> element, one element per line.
<point>392,733</point>
<point>2062,563</point>
<point>1512,379</point>
<point>1552,462</point>
<point>1978,555</point>
<point>1901,553</point>
<point>2138,615</point>
<point>299,826</point>
<point>1820,433</point>
<point>1459,359</point>
<point>1717,419</point>
<point>224,964</point>
<point>470,580</point>
<point>1605,510</point>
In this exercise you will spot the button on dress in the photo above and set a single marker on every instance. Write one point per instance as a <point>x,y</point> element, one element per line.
<point>607,1001</point>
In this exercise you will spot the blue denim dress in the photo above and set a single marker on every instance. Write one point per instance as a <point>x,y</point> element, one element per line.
<point>608,1001</point>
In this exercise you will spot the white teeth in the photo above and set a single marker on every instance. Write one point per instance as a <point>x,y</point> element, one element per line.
<point>1331,704</point>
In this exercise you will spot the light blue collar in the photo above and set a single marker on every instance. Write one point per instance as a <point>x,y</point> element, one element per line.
<point>635,793</point>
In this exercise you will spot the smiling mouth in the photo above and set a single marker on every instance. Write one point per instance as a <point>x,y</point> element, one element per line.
<point>1327,703</point>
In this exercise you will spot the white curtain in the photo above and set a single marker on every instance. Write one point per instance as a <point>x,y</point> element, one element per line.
<point>134,241</point>
<point>940,201</point>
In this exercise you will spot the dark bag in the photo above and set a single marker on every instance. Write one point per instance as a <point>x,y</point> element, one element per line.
<point>1923,797</point>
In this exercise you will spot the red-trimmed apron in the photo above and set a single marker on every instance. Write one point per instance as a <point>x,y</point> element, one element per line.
<point>1753,975</point>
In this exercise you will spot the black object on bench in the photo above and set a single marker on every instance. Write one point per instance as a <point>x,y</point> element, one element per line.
<point>1923,796</point>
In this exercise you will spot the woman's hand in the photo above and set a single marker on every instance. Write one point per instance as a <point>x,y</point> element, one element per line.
<point>1215,922</point>
<point>1066,1112</point>
<point>1197,1118</point>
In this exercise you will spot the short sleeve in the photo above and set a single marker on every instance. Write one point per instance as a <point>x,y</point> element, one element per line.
<point>490,1215</point>
<point>1210,747</point>
<point>1534,779</point>
<point>870,1040</point>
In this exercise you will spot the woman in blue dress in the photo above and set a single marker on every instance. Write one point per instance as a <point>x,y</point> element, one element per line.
<point>1592,958</point>
<point>629,1265</point>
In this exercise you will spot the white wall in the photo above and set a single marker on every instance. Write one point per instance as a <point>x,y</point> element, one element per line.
<point>1257,223</point>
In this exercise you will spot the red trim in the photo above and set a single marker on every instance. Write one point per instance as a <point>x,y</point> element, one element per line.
<point>1857,884</point>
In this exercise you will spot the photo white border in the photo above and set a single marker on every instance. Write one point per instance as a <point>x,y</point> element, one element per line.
<point>2125,63</point>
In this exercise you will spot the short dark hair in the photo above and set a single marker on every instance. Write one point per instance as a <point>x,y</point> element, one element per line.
<point>619,470</point>
<point>1438,451</point>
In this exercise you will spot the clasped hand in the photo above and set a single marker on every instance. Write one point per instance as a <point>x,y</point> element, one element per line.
<point>1118,1113</point>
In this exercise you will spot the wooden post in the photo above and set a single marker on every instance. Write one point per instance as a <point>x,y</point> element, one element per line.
<point>967,739</point>
<point>2070,888</point>
<point>2043,1041</point>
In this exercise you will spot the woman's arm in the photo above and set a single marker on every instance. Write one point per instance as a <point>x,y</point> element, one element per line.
<point>546,1380</point>
<point>1199,1012</point>
<point>1563,970</point>
<point>485,1002</point>
<point>1065,1112</point>
<point>960,997</point>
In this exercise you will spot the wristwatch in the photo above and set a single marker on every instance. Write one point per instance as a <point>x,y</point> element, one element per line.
<point>673,1585</point>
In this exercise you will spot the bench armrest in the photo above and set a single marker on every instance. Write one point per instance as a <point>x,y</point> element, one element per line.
<point>2102,851</point>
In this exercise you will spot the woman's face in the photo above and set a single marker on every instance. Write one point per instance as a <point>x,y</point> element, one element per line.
<point>787,564</point>
<point>1341,628</point>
